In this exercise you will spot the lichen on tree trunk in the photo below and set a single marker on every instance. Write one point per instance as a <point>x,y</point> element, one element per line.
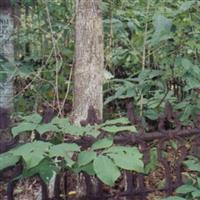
<point>89,59</point>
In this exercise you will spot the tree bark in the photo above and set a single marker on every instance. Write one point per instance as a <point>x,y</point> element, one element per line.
<point>89,59</point>
<point>88,72</point>
<point>7,53</point>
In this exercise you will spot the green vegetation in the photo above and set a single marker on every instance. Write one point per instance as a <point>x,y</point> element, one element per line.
<point>152,56</point>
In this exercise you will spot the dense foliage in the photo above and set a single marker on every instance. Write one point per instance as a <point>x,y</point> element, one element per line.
<point>151,52</point>
<point>101,158</point>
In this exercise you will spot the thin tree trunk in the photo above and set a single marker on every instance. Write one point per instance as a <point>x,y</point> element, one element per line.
<point>89,59</point>
<point>6,53</point>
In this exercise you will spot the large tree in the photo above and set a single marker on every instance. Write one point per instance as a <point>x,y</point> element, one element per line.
<point>89,63</point>
<point>89,59</point>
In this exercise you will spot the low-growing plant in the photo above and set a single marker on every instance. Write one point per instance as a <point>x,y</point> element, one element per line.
<point>191,189</point>
<point>103,158</point>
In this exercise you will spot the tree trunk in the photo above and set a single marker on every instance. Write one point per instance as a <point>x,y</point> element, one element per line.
<point>88,72</point>
<point>7,53</point>
<point>89,59</point>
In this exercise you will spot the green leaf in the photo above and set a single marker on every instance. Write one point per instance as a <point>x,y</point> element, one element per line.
<point>153,161</point>
<point>68,128</point>
<point>131,26</point>
<point>186,113</point>
<point>151,114</point>
<point>34,118</point>
<point>130,92</point>
<point>64,150</point>
<point>174,198</point>
<point>193,164</point>
<point>25,71</point>
<point>75,130</point>
<point>192,83</point>
<point>106,170</point>
<point>122,120</point>
<point>60,122</point>
<point>37,146</point>
<point>8,160</point>
<point>185,6</point>
<point>69,161</point>
<point>32,159</point>
<point>46,169</point>
<point>186,63</point>
<point>86,157</point>
<point>91,130</point>
<point>23,127</point>
<point>116,129</point>
<point>128,162</point>
<point>102,144</point>
<point>71,129</point>
<point>32,153</point>
<point>184,189</point>
<point>3,76</point>
<point>196,194</point>
<point>88,169</point>
<point>43,128</point>
<point>128,150</point>
<point>198,182</point>
<point>109,99</point>
<point>126,157</point>
<point>162,28</point>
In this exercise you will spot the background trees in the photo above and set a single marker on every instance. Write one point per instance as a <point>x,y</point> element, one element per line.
<point>157,40</point>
